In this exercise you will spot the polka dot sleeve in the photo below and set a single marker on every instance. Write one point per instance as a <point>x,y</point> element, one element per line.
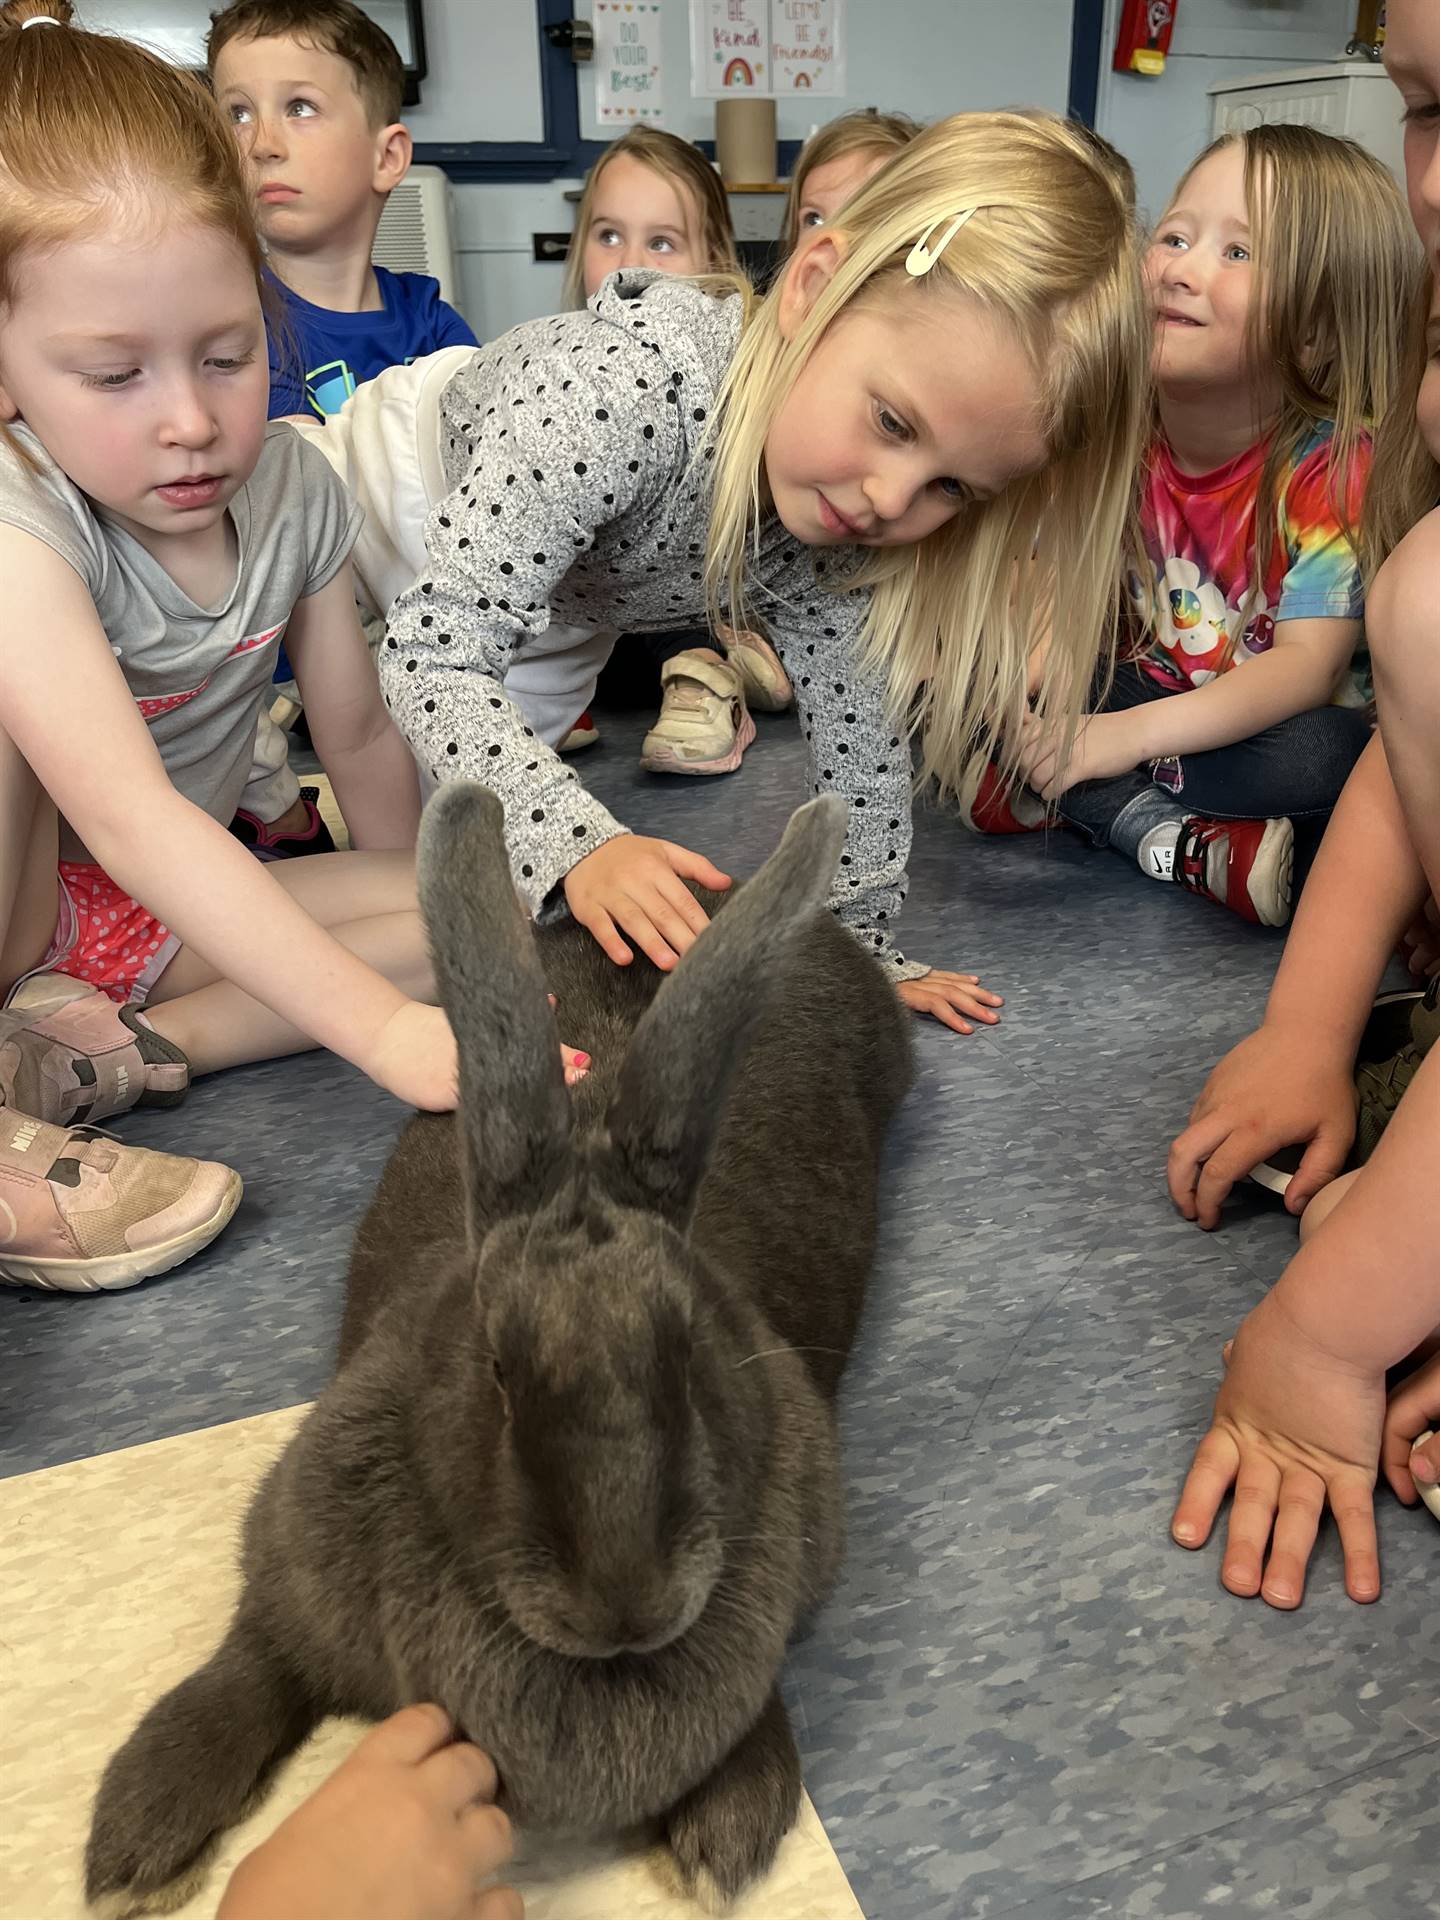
<point>562,432</point>
<point>854,749</point>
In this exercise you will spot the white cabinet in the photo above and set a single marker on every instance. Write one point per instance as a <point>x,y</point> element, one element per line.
<point>1351,97</point>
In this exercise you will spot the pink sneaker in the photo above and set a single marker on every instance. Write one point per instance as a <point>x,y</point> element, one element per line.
<point>70,1054</point>
<point>80,1213</point>
<point>704,724</point>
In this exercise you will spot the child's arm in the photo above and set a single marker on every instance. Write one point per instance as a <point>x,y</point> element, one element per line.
<point>98,763</point>
<point>539,486</point>
<point>1298,1420</point>
<point>360,747</point>
<point>853,748</point>
<point>1290,1081</point>
<point>1298,673</point>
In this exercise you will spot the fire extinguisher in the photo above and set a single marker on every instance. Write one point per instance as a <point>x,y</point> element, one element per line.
<point>1144,37</point>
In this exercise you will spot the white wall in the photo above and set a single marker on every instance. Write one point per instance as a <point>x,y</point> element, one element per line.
<point>1161,124</point>
<point>925,57</point>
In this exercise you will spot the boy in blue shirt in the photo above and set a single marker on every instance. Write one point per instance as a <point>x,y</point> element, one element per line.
<point>313,89</point>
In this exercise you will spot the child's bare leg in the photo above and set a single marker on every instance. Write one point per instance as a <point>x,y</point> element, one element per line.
<point>367,900</point>
<point>29,866</point>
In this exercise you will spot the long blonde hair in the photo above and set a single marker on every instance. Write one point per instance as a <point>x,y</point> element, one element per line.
<point>1337,268</point>
<point>1405,481</point>
<point>693,178</point>
<point>867,130</point>
<point>90,123</point>
<point>1051,252</point>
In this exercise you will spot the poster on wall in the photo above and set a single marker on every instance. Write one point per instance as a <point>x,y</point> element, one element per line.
<point>629,69</point>
<point>729,46</point>
<point>766,46</point>
<point>806,47</point>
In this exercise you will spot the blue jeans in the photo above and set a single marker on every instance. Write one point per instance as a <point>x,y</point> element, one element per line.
<point>1295,768</point>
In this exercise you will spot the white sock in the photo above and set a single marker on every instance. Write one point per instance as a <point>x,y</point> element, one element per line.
<point>1157,850</point>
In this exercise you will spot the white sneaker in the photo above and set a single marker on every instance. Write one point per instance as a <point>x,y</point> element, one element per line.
<point>763,680</point>
<point>704,726</point>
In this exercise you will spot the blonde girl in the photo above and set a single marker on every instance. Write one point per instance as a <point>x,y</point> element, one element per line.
<point>835,162</point>
<point>654,200</point>
<point>1281,276</point>
<point>862,461</point>
<point>156,539</point>
<point>650,200</point>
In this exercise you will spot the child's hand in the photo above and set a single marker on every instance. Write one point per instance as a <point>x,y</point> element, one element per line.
<point>1275,1089</point>
<point>1414,1408</point>
<point>415,1059</point>
<point>1294,1426</point>
<point>1103,746</point>
<point>636,887</point>
<point>404,1830</point>
<point>948,996</point>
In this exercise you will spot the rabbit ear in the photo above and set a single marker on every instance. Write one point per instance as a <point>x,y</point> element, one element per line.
<point>515,1118</point>
<point>673,1083</point>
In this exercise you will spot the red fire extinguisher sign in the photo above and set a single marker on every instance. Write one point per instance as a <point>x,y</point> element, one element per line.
<point>1144,37</point>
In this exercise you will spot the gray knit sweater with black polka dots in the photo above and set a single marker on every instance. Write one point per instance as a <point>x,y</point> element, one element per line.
<point>570,447</point>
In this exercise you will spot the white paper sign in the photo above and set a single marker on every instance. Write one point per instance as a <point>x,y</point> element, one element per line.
<point>807,46</point>
<point>629,71</point>
<point>729,46</point>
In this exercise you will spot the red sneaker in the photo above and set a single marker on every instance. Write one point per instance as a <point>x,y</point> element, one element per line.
<point>1247,865</point>
<point>583,734</point>
<point>988,803</point>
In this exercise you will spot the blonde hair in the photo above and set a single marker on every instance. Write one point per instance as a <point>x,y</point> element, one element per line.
<point>91,124</point>
<point>865,131</point>
<point>692,176</point>
<point>1337,266</point>
<point>1405,481</point>
<point>1052,254</point>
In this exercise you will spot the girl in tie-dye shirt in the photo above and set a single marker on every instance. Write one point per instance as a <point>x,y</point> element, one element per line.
<point>1280,276</point>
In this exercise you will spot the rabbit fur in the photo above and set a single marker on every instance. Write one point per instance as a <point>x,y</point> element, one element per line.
<point>576,1477</point>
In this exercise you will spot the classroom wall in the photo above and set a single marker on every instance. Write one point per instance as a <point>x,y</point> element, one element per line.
<point>925,57</point>
<point>1162,123</point>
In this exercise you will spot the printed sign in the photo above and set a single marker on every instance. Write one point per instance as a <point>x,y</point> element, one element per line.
<point>730,46</point>
<point>805,47</point>
<point>766,46</point>
<point>629,71</point>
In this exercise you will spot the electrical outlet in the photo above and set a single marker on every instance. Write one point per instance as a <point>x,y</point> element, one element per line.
<point>550,246</point>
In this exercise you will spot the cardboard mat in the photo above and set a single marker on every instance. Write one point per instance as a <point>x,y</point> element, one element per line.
<point>117,1575</point>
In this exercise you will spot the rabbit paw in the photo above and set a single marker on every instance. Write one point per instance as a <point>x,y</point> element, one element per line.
<point>727,1832</point>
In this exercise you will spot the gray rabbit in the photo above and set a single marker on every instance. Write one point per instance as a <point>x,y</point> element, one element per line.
<point>577,1475</point>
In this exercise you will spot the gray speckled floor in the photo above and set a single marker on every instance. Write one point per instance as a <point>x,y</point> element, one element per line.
<point>1021,1699</point>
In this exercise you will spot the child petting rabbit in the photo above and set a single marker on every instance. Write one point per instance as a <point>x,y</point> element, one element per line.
<point>547,1489</point>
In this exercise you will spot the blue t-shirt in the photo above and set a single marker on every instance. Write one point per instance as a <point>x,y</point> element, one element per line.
<point>331,353</point>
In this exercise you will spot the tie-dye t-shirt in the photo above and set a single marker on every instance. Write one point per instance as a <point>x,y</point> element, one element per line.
<point>1199,531</point>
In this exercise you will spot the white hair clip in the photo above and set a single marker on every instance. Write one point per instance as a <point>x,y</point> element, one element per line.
<point>923,256</point>
<point>39,20</point>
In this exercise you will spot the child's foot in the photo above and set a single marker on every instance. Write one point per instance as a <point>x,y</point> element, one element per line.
<point>763,680</point>
<point>1247,865</point>
<point>71,1054</point>
<point>583,734</point>
<point>286,838</point>
<point>704,726</point>
<point>988,803</point>
<point>80,1213</point>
